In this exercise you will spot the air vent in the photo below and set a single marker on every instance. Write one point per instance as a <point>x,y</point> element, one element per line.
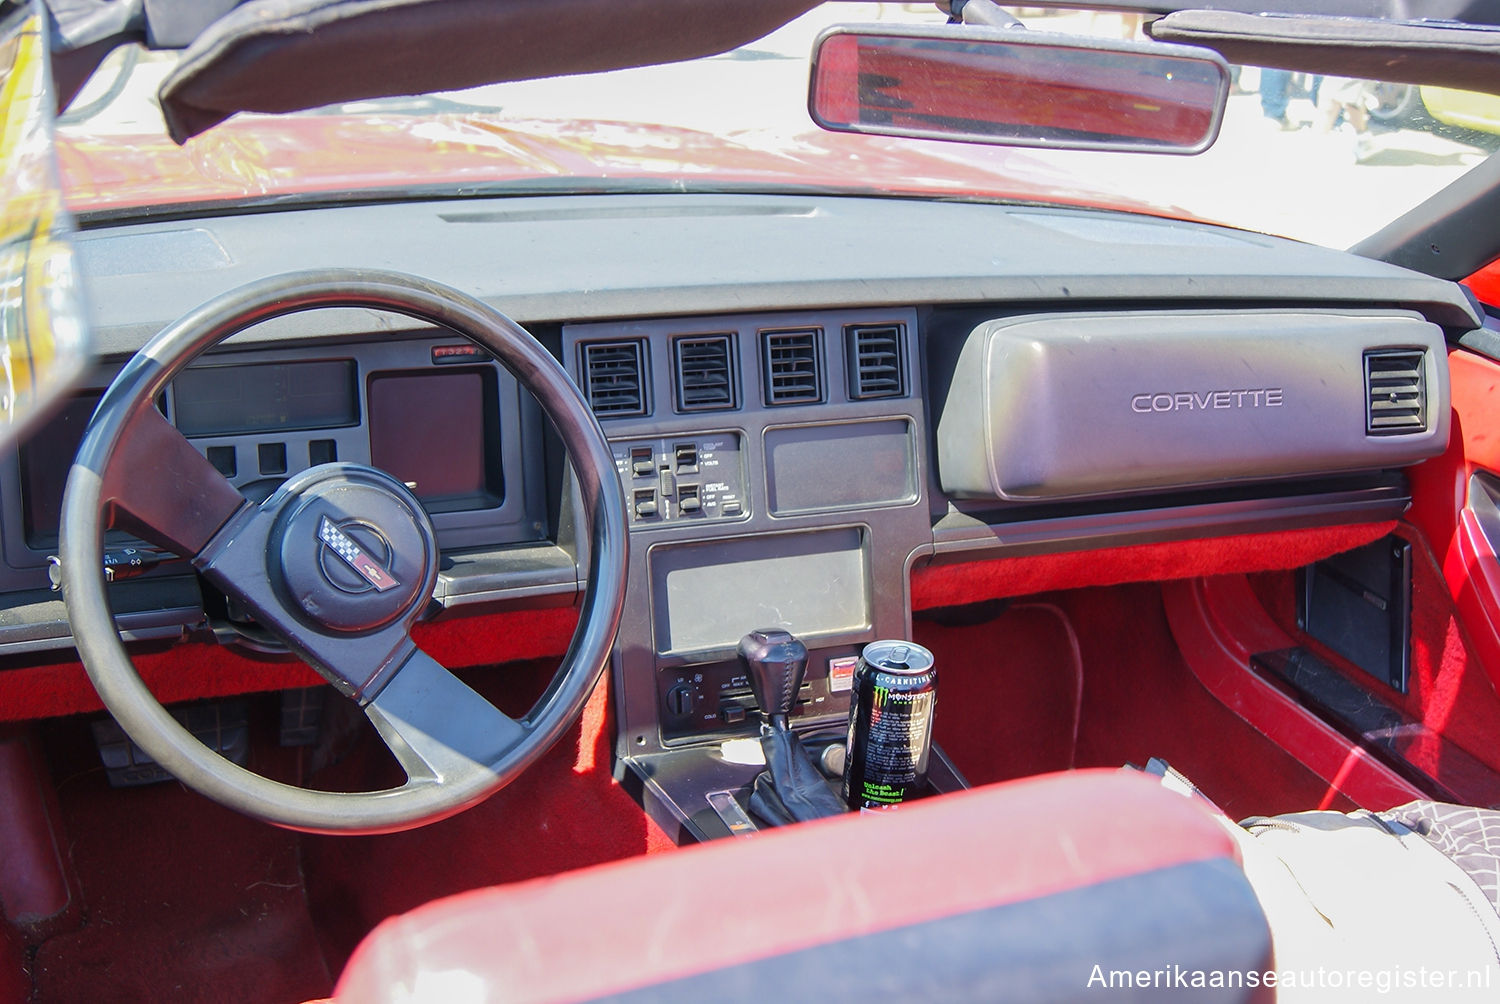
<point>1397,392</point>
<point>877,360</point>
<point>793,373</point>
<point>705,373</point>
<point>614,378</point>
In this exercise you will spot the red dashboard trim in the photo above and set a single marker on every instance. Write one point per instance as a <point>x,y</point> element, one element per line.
<point>957,584</point>
<point>186,672</point>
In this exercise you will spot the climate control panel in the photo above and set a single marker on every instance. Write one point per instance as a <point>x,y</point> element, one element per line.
<point>713,699</point>
<point>678,479</point>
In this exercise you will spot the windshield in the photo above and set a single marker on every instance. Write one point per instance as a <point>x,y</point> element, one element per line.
<point>1321,159</point>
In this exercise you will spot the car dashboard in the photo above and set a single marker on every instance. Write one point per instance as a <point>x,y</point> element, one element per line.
<point>807,397</point>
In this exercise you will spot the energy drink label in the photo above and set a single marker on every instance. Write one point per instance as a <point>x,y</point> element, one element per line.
<point>890,725</point>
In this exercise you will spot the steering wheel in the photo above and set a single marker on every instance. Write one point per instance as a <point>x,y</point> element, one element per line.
<point>339,563</point>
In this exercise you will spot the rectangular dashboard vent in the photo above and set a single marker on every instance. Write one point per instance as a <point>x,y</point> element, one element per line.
<point>877,360</point>
<point>1396,391</point>
<point>705,373</point>
<point>614,378</point>
<point>792,366</point>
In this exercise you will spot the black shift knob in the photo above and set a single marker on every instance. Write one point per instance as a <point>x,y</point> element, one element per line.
<point>776,661</point>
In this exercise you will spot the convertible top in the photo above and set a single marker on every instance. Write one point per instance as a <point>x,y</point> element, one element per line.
<point>1444,53</point>
<point>288,55</point>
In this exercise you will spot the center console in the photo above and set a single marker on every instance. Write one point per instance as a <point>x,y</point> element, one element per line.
<point>772,467</point>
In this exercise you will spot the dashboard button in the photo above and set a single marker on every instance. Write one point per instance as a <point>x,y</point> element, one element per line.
<point>322,451</point>
<point>223,459</point>
<point>272,457</point>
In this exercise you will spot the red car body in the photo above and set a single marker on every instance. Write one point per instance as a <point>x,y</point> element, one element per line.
<point>270,158</point>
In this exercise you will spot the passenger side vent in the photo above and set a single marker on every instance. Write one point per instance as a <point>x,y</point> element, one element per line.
<point>792,366</point>
<point>614,378</point>
<point>705,373</point>
<point>877,360</point>
<point>1396,390</point>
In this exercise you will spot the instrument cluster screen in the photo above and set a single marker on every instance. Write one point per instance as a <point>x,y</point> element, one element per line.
<point>439,433</point>
<point>265,397</point>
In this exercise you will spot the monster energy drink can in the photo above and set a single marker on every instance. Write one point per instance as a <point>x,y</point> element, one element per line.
<point>890,725</point>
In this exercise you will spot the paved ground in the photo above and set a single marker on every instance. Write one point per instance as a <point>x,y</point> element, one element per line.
<point>1299,183</point>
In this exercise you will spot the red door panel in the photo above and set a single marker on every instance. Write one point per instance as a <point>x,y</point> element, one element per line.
<point>1452,521</point>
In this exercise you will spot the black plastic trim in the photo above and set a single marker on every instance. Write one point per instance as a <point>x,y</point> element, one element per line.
<point>1439,236</point>
<point>960,535</point>
<point>1380,728</point>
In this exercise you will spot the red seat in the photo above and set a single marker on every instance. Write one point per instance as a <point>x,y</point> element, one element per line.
<point>1016,890</point>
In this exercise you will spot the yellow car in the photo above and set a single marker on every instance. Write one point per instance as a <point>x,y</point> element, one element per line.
<point>1405,103</point>
<point>1469,109</point>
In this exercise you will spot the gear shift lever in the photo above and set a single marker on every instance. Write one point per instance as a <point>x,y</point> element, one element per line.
<point>792,788</point>
<point>776,660</point>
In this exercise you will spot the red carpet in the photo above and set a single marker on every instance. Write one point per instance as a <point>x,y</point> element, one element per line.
<point>1007,687</point>
<point>184,900</point>
<point>968,582</point>
<point>1008,692</point>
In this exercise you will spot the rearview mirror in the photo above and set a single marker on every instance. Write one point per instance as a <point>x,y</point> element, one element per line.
<point>1017,88</point>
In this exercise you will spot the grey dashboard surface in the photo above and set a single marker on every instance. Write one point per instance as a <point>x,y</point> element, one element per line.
<point>1067,404</point>
<point>658,266</point>
<point>599,257</point>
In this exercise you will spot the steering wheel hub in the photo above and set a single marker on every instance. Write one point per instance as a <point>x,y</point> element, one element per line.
<point>351,547</point>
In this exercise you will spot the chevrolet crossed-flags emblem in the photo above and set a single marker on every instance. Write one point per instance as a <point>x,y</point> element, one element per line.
<point>354,556</point>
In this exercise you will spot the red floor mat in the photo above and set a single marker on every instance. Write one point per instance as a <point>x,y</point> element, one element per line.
<point>182,900</point>
<point>1008,692</point>
<point>1140,699</point>
<point>1007,689</point>
<point>186,901</point>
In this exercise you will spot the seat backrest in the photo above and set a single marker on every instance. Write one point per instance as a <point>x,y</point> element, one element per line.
<point>1042,889</point>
